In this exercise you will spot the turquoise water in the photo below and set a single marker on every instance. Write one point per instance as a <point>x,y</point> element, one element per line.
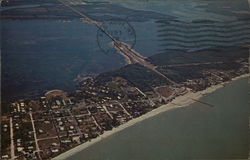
<point>194,132</point>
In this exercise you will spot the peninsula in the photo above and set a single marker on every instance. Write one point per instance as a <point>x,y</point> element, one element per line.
<point>59,124</point>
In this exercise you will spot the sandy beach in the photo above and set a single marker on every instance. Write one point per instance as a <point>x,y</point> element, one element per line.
<point>181,101</point>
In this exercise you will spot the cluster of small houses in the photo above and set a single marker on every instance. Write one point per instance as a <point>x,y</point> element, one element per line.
<point>19,107</point>
<point>5,127</point>
<point>57,104</point>
<point>104,90</point>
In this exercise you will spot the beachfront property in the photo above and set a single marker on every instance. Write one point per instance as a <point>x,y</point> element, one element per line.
<point>46,126</point>
<point>59,121</point>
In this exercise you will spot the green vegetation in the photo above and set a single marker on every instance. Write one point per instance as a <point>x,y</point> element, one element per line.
<point>210,55</point>
<point>5,136</point>
<point>137,75</point>
<point>5,108</point>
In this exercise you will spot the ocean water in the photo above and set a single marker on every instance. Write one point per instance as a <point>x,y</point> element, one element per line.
<point>193,132</point>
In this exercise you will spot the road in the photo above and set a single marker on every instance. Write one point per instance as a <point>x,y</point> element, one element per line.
<point>140,92</point>
<point>125,111</point>
<point>192,64</point>
<point>76,123</point>
<point>12,147</point>
<point>93,118</point>
<point>134,57</point>
<point>84,17</point>
<point>34,131</point>
<point>124,49</point>
<point>106,110</point>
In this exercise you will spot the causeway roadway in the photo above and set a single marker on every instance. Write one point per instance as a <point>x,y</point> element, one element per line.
<point>131,56</point>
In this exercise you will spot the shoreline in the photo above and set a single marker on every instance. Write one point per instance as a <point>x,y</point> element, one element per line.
<point>178,102</point>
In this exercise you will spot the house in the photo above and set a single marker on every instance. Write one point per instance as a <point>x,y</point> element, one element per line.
<point>18,107</point>
<point>71,127</point>
<point>20,149</point>
<point>61,128</point>
<point>64,103</point>
<point>43,98</point>
<point>55,107</point>
<point>40,131</point>
<point>22,104</point>
<point>58,102</point>
<point>66,141</point>
<point>5,156</point>
<point>18,144</point>
<point>54,144</point>
<point>54,150</point>
<point>76,138</point>
<point>86,135</point>
<point>47,122</point>
<point>60,123</point>
<point>30,148</point>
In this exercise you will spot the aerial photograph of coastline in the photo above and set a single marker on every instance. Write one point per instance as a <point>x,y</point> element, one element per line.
<point>125,79</point>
